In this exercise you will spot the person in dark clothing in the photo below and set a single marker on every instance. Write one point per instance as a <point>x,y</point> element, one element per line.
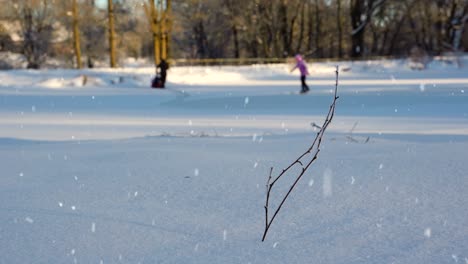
<point>163,66</point>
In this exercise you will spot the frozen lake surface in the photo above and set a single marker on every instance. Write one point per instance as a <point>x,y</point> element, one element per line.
<point>115,172</point>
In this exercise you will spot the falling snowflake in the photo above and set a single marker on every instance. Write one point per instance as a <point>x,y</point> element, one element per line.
<point>422,87</point>
<point>254,137</point>
<point>327,183</point>
<point>427,232</point>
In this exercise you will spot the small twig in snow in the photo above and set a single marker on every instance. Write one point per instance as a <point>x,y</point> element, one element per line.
<point>312,151</point>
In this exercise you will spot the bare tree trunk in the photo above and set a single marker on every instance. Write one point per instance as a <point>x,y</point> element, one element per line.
<point>301,28</point>
<point>168,13</point>
<point>310,32</point>
<point>318,27</point>
<point>163,31</point>
<point>292,27</point>
<point>339,28</point>
<point>283,15</point>
<point>397,30</point>
<point>357,37</point>
<point>235,34</point>
<point>112,54</point>
<point>76,36</point>
<point>236,41</point>
<point>152,16</point>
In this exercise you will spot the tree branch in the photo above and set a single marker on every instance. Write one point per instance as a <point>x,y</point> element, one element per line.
<point>313,151</point>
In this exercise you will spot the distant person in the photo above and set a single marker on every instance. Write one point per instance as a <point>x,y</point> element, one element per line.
<point>163,66</point>
<point>301,65</point>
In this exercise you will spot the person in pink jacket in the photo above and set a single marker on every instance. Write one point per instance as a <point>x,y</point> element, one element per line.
<point>301,65</point>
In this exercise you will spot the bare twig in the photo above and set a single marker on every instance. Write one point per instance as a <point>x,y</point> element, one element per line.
<point>351,138</point>
<point>303,161</point>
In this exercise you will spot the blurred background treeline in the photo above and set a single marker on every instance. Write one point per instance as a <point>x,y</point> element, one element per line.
<point>88,33</point>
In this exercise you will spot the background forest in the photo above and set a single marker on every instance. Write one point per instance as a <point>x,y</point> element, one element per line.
<point>206,29</point>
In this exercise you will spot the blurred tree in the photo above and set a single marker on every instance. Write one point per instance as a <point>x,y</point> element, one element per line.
<point>93,27</point>
<point>339,25</point>
<point>159,17</point>
<point>111,29</point>
<point>317,33</point>
<point>76,35</point>
<point>361,12</point>
<point>233,11</point>
<point>456,17</point>
<point>36,20</point>
<point>228,28</point>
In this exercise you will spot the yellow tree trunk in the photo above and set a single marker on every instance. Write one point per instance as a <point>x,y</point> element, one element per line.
<point>76,36</point>
<point>152,16</point>
<point>163,31</point>
<point>110,10</point>
<point>159,17</point>
<point>167,26</point>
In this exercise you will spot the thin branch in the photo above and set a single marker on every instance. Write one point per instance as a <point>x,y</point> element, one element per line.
<point>313,151</point>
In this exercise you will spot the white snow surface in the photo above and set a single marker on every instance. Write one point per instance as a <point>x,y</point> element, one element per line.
<point>96,167</point>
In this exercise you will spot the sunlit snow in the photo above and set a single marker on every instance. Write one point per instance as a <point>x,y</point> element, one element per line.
<point>112,171</point>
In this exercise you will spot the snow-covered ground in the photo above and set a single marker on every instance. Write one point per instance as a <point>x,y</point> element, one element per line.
<point>96,167</point>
